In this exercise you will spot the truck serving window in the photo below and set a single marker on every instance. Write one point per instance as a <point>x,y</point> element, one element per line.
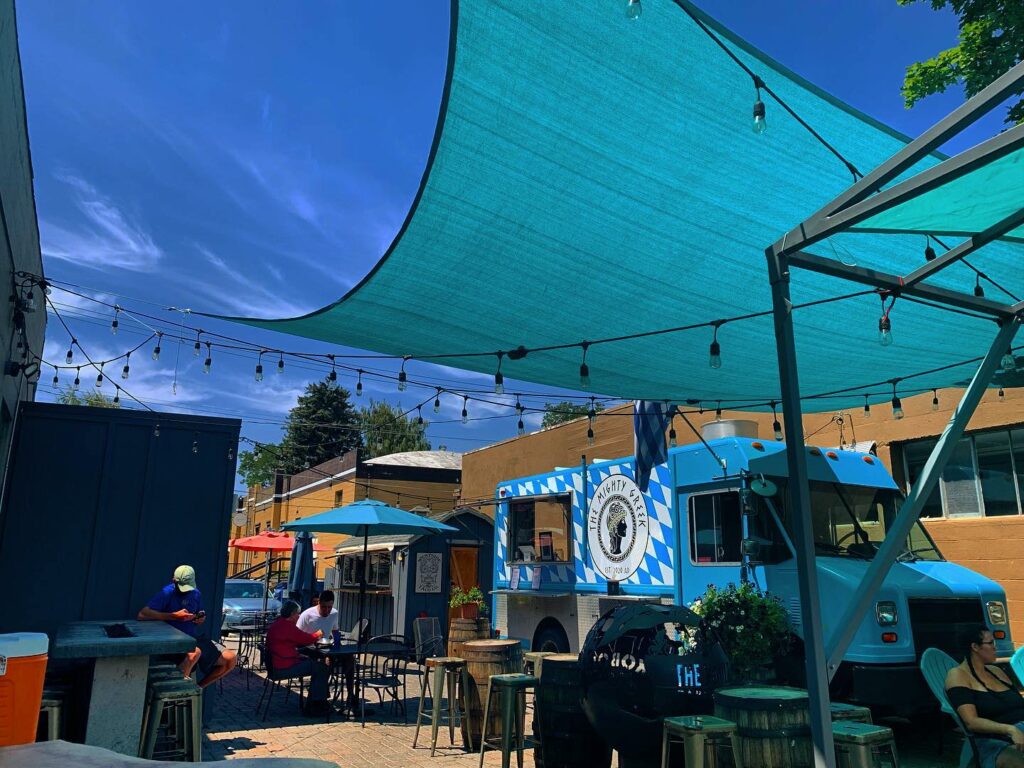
<point>539,529</point>
<point>715,528</point>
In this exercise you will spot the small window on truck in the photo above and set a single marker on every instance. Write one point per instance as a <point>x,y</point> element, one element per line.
<point>716,528</point>
<point>539,529</point>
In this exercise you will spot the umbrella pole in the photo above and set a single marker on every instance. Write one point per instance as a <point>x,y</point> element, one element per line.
<point>266,580</point>
<point>362,604</point>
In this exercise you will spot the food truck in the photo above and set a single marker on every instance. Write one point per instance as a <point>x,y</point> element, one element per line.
<point>574,542</point>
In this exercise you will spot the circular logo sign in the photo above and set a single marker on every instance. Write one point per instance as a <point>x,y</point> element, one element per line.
<point>239,518</point>
<point>617,528</point>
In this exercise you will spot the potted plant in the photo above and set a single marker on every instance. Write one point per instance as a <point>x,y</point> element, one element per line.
<point>466,604</point>
<point>752,626</point>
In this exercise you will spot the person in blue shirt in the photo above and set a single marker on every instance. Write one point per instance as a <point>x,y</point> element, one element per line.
<point>180,604</point>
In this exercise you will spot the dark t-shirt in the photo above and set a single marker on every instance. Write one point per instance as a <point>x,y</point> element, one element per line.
<point>1005,707</point>
<point>169,600</point>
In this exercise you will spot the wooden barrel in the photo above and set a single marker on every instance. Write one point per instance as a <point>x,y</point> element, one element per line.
<point>483,659</point>
<point>567,740</point>
<point>773,723</point>
<point>463,630</point>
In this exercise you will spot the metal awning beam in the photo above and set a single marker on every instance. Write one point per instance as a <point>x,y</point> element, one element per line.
<point>819,228</point>
<point>895,283</point>
<point>929,141</point>
<point>965,248</point>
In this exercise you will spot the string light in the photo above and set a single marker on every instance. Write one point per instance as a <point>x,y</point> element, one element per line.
<point>760,124</point>
<point>1008,363</point>
<point>280,365</point>
<point>209,358</point>
<point>114,323</point>
<point>591,415</point>
<point>499,380</point>
<point>231,453</point>
<point>672,434</point>
<point>259,367</point>
<point>776,426</point>
<point>979,291</point>
<point>437,402</point>
<point>897,405</point>
<point>403,382</point>
<point>1002,395</point>
<point>359,384</point>
<point>71,351</point>
<point>465,409</point>
<point>715,351</point>
<point>419,415</point>
<point>929,252</point>
<point>56,379</point>
<point>156,430</point>
<point>520,427</point>
<point>885,324</point>
<point>125,369</point>
<point>584,368</point>
<point>633,10</point>
<point>718,411</point>
<point>197,346</point>
<point>117,395</point>
<point>195,445</point>
<point>333,375</point>
<point>935,400</point>
<point>867,408</point>
<point>99,377</point>
<point>78,378</point>
<point>156,349</point>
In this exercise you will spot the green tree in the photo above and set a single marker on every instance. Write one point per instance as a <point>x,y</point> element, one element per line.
<point>256,467</point>
<point>94,398</point>
<point>322,425</point>
<point>559,413</point>
<point>386,429</point>
<point>991,41</point>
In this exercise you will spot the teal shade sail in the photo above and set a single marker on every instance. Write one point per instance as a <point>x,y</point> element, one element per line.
<point>594,176</point>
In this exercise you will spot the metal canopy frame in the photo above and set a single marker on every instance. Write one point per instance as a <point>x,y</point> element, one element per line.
<point>859,202</point>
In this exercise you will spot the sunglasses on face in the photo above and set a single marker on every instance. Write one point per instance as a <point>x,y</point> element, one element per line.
<point>986,642</point>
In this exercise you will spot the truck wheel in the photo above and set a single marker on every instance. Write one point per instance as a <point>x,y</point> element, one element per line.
<point>551,638</point>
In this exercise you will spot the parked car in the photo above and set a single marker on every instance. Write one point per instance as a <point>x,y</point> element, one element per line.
<point>243,599</point>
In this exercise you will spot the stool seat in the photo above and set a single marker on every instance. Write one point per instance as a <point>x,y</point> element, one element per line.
<point>698,723</point>
<point>700,735</point>
<point>515,680</point>
<point>842,711</point>
<point>445,661</point>
<point>852,732</point>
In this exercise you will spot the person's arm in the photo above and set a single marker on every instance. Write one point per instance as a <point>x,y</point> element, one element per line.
<point>961,697</point>
<point>297,636</point>
<point>154,610</point>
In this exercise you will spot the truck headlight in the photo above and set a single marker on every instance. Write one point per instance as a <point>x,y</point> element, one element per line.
<point>996,612</point>
<point>885,613</point>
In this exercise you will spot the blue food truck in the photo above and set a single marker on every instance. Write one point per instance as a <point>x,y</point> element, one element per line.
<point>575,542</point>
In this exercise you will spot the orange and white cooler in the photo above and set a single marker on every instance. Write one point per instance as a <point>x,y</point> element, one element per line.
<point>22,671</point>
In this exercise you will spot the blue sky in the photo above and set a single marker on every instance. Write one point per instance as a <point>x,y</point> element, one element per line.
<point>258,158</point>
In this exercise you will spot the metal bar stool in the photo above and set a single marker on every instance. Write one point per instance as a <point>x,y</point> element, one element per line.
<point>184,698</point>
<point>842,711</point>
<point>862,745</point>
<point>702,736</point>
<point>531,659</point>
<point>52,707</point>
<point>453,670</point>
<point>511,690</point>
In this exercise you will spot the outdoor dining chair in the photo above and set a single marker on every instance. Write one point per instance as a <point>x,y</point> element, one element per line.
<point>429,642</point>
<point>935,665</point>
<point>383,671</point>
<point>362,627</point>
<point>1017,664</point>
<point>274,679</point>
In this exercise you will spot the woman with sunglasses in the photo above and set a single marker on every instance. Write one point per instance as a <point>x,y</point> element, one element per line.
<point>988,703</point>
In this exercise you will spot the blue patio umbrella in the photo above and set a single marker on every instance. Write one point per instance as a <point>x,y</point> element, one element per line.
<point>363,518</point>
<point>300,571</point>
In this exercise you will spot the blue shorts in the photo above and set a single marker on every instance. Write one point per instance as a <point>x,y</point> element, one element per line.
<point>989,750</point>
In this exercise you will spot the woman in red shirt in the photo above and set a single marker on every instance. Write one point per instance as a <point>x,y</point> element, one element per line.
<point>283,641</point>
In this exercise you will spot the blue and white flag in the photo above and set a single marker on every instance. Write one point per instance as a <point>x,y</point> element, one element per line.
<point>650,420</point>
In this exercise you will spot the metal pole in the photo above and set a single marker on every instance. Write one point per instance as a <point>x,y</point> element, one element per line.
<point>800,507</point>
<point>910,510</point>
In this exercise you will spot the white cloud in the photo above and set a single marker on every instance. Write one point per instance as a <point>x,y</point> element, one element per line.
<point>246,295</point>
<point>106,238</point>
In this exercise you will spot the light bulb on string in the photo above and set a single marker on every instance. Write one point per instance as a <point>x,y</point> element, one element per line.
<point>929,252</point>
<point>867,408</point>
<point>78,378</point>
<point>197,346</point>
<point>56,379</point>
<point>672,435</point>
<point>126,368</point>
<point>1008,363</point>
<point>520,426</point>
<point>591,417</point>
<point>195,445</point>
<point>209,359</point>
<point>715,350</point>
<point>156,349</point>
<point>259,368</point>
<point>403,381</point>
<point>499,379</point>
<point>117,395</point>
<point>1002,395</point>
<point>419,415</point>
<point>114,323</point>
<point>71,351</point>
<point>359,384</point>
<point>584,368</point>
<point>333,375</point>
<point>935,400</point>
<point>280,364</point>
<point>776,426</point>
<point>760,124</point>
<point>465,409</point>
<point>437,402</point>
<point>885,324</point>
<point>979,291</point>
<point>897,404</point>
<point>156,430</point>
<point>231,453</point>
<point>633,10</point>
<point>718,411</point>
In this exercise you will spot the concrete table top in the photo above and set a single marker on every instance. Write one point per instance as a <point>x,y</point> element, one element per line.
<point>89,640</point>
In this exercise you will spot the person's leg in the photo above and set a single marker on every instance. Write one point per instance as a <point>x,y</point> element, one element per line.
<point>318,677</point>
<point>225,663</point>
<point>1011,757</point>
<point>189,662</point>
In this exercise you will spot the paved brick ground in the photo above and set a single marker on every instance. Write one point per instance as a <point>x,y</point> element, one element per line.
<point>386,742</point>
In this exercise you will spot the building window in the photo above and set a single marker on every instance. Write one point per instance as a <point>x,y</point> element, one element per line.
<point>715,528</point>
<point>378,572</point>
<point>983,477</point>
<point>539,529</point>
<point>339,497</point>
<point>258,525</point>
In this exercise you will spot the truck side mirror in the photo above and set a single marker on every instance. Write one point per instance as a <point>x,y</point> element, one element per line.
<point>750,548</point>
<point>763,487</point>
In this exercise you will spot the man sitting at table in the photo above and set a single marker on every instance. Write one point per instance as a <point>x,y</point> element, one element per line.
<point>322,616</point>
<point>180,604</point>
<point>284,639</point>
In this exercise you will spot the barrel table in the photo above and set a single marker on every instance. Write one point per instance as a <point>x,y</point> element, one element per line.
<point>773,723</point>
<point>463,630</point>
<point>483,659</point>
<point>566,738</point>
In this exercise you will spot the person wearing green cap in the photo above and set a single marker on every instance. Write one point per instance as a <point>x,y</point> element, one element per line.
<point>180,604</point>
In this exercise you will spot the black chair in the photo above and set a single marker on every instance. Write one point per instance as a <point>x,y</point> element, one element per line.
<point>274,679</point>
<point>383,670</point>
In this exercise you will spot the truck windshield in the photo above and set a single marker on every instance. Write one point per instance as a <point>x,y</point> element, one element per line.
<point>851,521</point>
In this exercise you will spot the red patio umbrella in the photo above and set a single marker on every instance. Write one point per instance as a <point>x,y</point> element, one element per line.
<point>269,541</point>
